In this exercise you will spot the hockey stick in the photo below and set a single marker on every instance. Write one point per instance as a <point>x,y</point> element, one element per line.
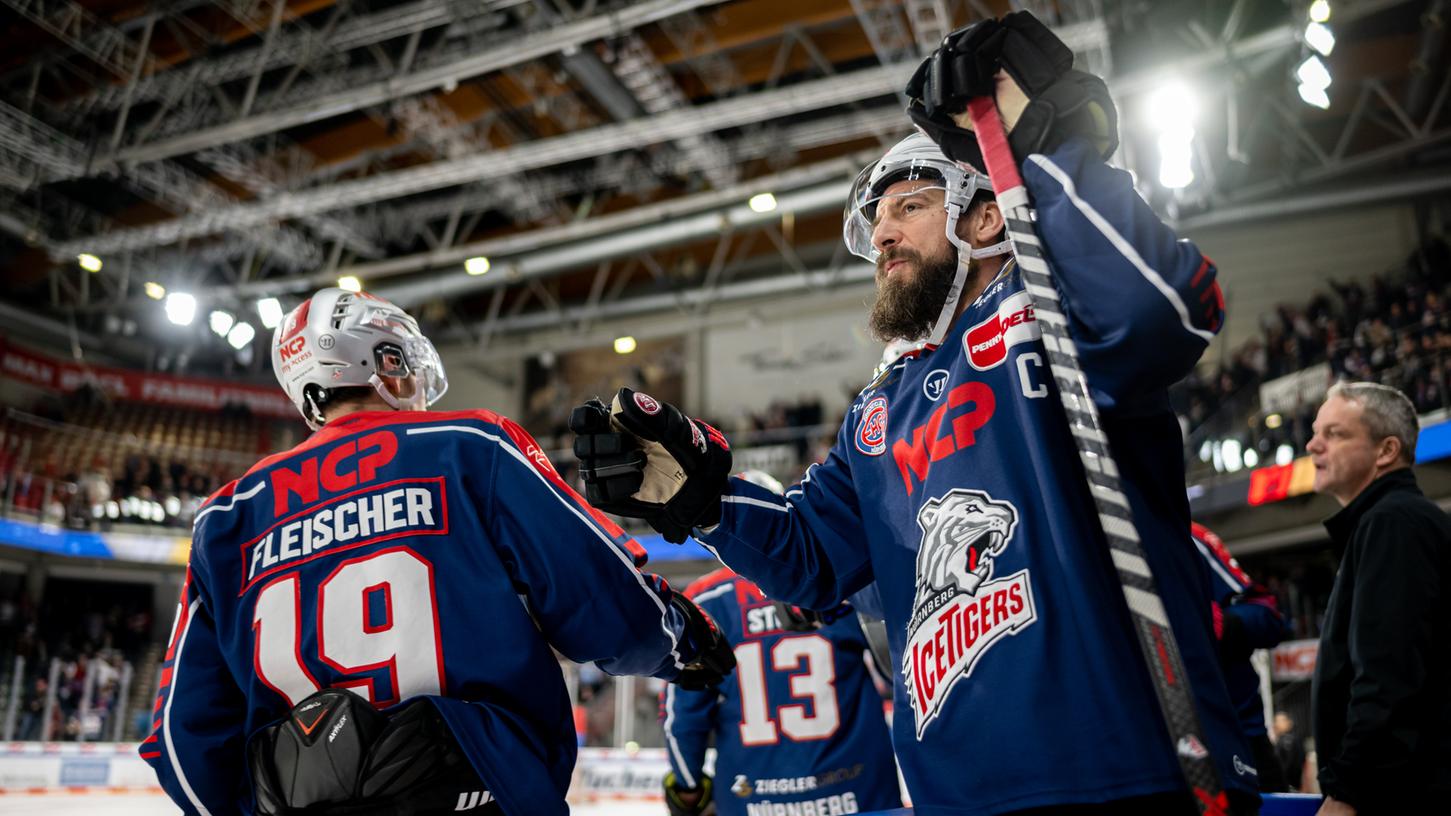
<point>1151,623</point>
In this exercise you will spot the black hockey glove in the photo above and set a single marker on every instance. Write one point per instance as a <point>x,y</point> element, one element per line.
<point>796,619</point>
<point>1060,102</point>
<point>702,797</point>
<point>714,659</point>
<point>672,476</point>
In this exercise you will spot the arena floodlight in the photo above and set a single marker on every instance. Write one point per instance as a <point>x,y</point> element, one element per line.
<point>154,290</point>
<point>221,322</point>
<point>624,345</point>
<point>1176,165</point>
<point>1314,96</point>
<point>180,308</point>
<point>1251,458</point>
<point>269,310</point>
<point>350,283</point>
<point>1313,73</point>
<point>477,265</point>
<point>1320,11</point>
<point>1319,37</point>
<point>762,202</point>
<point>1171,107</point>
<point>241,334</point>
<point>89,262</point>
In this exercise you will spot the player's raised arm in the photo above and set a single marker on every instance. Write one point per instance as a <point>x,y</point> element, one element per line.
<point>197,739</point>
<point>1144,303</point>
<point>578,572</point>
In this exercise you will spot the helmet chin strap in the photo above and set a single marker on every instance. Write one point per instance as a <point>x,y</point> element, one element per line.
<point>413,403</point>
<point>965,254</point>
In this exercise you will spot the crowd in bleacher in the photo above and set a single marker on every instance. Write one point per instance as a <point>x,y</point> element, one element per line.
<point>82,644</point>
<point>1395,330</point>
<point>85,462</point>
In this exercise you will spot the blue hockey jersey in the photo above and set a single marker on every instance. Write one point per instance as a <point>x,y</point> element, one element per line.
<point>1235,595</point>
<point>954,484</point>
<point>404,554</point>
<point>798,722</point>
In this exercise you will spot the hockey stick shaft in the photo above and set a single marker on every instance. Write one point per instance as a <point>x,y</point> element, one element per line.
<point>1146,607</point>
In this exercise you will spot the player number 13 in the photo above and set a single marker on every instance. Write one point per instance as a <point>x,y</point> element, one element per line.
<point>811,665</point>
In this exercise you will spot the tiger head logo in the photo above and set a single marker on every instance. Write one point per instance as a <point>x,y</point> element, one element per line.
<point>962,532</point>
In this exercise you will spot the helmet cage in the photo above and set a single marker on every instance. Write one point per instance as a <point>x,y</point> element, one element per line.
<point>871,185</point>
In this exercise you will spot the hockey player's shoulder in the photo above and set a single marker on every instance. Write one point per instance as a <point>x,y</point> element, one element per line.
<point>710,581</point>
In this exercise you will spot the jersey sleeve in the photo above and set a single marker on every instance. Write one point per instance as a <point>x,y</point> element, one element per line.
<point>807,547</point>
<point>1142,304</point>
<point>197,740</point>
<point>578,570</point>
<point>689,717</point>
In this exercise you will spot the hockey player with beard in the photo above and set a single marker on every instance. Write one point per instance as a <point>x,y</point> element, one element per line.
<point>954,483</point>
<point>369,620</point>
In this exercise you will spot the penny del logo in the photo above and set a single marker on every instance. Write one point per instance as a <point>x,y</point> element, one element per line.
<point>961,609</point>
<point>988,342</point>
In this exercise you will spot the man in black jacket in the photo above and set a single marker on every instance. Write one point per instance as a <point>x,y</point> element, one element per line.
<point>1381,709</point>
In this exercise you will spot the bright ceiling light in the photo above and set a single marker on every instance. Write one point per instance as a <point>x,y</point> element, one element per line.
<point>1176,168</point>
<point>1312,72</point>
<point>1319,37</point>
<point>180,308</point>
<point>241,334</point>
<point>350,283</point>
<point>762,202</point>
<point>1314,96</point>
<point>477,265</point>
<point>1171,107</point>
<point>154,290</point>
<point>270,311</point>
<point>1320,11</point>
<point>89,262</point>
<point>221,322</point>
<point>1274,421</point>
<point>624,345</point>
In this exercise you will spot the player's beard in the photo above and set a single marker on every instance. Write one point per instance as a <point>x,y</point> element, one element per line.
<point>907,305</point>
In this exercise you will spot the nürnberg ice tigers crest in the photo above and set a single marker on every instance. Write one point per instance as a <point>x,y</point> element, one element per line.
<point>960,610</point>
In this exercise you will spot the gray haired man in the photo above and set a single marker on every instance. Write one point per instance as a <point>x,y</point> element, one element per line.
<point>1382,714</point>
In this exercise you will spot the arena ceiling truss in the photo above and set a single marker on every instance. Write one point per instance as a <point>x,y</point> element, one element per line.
<point>601,154</point>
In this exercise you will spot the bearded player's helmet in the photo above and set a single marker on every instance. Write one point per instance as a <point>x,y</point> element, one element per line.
<point>918,158</point>
<point>338,339</point>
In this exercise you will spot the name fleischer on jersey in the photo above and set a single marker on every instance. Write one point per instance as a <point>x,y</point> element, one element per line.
<point>407,507</point>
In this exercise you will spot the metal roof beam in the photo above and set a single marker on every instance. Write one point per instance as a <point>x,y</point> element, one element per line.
<point>806,96</point>
<point>474,63</point>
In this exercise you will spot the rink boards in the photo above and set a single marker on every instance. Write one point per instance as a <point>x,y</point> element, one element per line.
<point>607,781</point>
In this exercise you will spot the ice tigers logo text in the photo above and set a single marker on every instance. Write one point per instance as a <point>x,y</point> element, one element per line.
<point>960,611</point>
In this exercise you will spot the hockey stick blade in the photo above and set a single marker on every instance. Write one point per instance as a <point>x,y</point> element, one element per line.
<point>1140,591</point>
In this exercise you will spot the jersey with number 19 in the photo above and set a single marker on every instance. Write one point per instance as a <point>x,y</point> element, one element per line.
<point>403,554</point>
<point>799,727</point>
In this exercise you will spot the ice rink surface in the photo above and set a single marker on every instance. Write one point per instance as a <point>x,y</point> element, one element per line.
<point>155,804</point>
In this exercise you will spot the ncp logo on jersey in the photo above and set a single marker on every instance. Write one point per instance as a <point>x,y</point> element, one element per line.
<point>871,430</point>
<point>647,403</point>
<point>935,385</point>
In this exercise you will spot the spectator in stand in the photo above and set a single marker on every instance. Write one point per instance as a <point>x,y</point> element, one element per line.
<point>1289,749</point>
<point>32,712</point>
<point>1382,715</point>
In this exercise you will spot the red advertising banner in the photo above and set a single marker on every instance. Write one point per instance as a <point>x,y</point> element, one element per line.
<point>1294,660</point>
<point>161,389</point>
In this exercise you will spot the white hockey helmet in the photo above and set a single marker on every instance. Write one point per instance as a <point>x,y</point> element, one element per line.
<point>342,339</point>
<point>918,158</point>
